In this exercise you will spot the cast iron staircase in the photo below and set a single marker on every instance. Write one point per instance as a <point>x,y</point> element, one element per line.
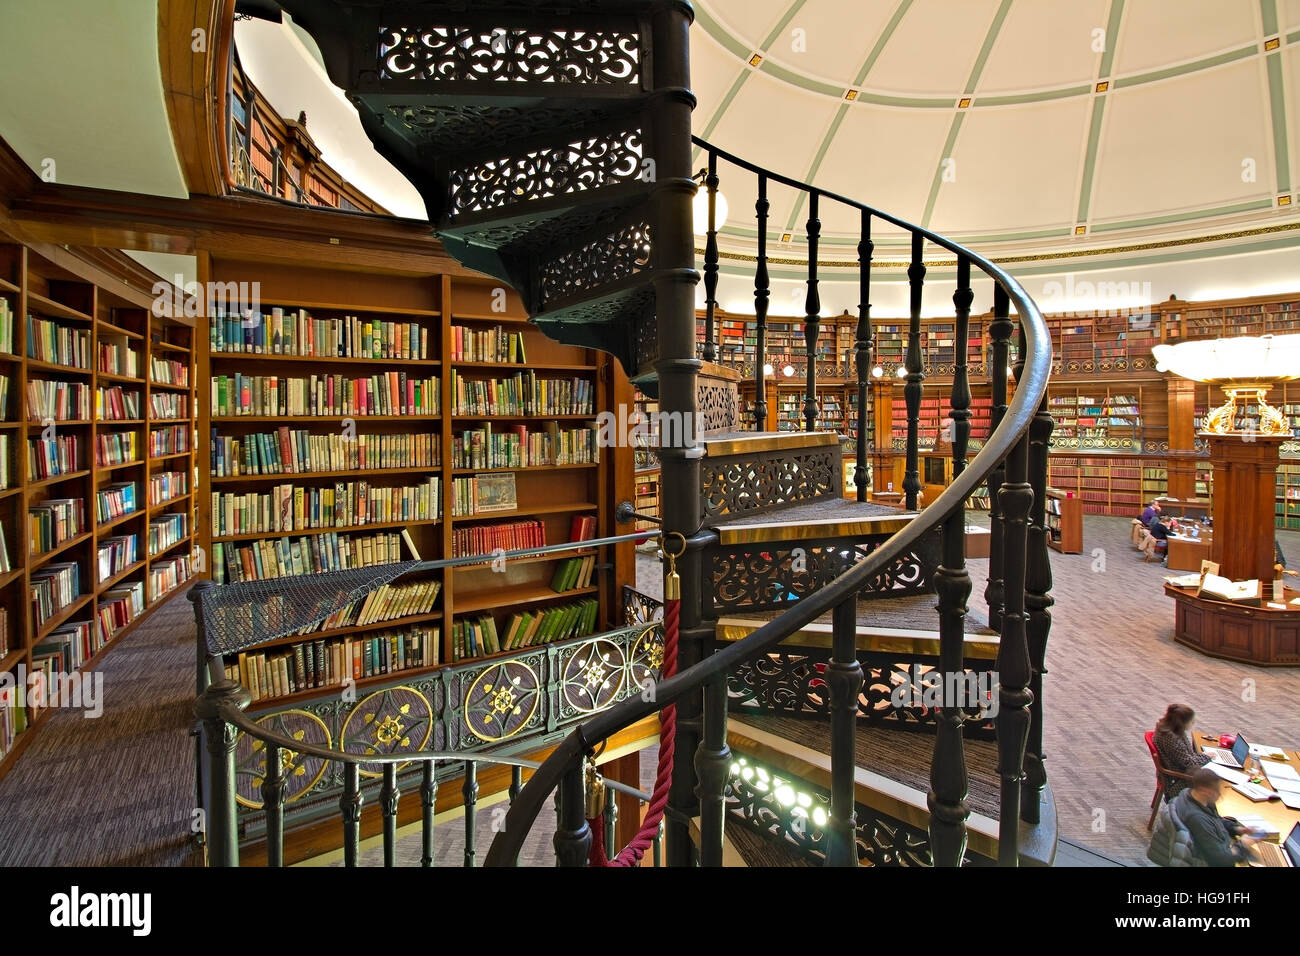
<point>551,144</point>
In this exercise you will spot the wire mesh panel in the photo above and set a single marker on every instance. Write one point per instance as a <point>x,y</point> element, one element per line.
<point>242,615</point>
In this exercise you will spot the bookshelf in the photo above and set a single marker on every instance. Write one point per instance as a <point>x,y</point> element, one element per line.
<point>96,444</point>
<point>1064,516</point>
<point>438,424</point>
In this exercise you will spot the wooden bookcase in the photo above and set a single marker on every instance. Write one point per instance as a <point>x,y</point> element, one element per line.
<point>1064,516</point>
<point>123,415</point>
<point>446,310</point>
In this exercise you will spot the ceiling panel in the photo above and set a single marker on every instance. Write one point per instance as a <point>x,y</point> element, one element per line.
<point>1044,44</point>
<point>86,104</point>
<point>1154,155</point>
<point>934,48</point>
<point>1037,148</point>
<point>775,125</point>
<point>749,21</point>
<point>837,38</point>
<point>1158,33</point>
<point>862,164</point>
<point>1289,14</point>
<point>713,71</point>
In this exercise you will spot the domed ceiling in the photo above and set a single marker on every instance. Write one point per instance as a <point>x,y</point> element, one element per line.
<point>1013,124</point>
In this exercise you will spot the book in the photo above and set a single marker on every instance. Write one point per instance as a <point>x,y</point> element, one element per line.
<point>494,493</point>
<point>1235,592</point>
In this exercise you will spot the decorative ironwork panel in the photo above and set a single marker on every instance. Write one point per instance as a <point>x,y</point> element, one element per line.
<point>501,700</point>
<point>797,812</point>
<point>503,55</point>
<point>772,575</point>
<point>622,253</point>
<point>461,128</point>
<point>646,351</point>
<point>301,773</point>
<point>718,411</point>
<point>640,608</point>
<point>575,168</point>
<point>734,485</point>
<point>592,676</point>
<point>391,720</point>
<point>791,682</point>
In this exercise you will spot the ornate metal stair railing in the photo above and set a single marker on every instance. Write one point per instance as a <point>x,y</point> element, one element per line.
<point>1009,444</point>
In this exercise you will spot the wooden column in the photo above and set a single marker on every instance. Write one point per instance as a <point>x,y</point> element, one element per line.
<point>882,458</point>
<point>1181,465</point>
<point>1244,489</point>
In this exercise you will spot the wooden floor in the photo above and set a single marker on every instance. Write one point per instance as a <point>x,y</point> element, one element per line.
<point>119,790</point>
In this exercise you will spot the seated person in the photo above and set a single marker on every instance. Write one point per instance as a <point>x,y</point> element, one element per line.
<point>1174,745</point>
<point>1191,832</point>
<point>1149,513</point>
<point>1157,538</point>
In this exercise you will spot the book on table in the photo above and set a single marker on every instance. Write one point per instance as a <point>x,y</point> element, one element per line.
<point>1220,588</point>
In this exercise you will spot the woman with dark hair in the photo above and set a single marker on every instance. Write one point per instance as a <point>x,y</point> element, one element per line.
<point>1174,744</point>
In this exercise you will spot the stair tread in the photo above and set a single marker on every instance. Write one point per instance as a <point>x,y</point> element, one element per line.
<point>741,442</point>
<point>760,849</point>
<point>819,518</point>
<point>900,755</point>
<point>914,612</point>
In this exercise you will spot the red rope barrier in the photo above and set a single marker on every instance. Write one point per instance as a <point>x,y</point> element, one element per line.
<point>632,853</point>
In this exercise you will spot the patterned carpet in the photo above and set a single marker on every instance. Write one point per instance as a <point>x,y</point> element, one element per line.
<point>126,779</point>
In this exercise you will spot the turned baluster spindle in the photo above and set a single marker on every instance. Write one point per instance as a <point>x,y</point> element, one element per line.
<point>388,797</point>
<point>862,351</point>
<point>273,788</point>
<point>711,261</point>
<point>762,293</point>
<point>812,320</point>
<point>949,784</point>
<point>572,834</point>
<point>1038,601</point>
<point>844,680</point>
<point>712,761</point>
<point>915,374</point>
<point>428,800</point>
<point>350,808</point>
<point>469,797</point>
<point>1000,330</point>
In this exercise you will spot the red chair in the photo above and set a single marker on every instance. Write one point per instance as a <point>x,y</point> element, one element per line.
<point>1161,776</point>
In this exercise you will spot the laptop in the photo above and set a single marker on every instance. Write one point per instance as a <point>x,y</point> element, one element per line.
<point>1287,854</point>
<point>1236,757</point>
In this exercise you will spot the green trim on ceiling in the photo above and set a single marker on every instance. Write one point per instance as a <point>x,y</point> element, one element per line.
<point>1268,16</point>
<point>1251,206</point>
<point>1042,96</point>
<point>1293,37</point>
<point>1277,106</point>
<point>794,79</point>
<point>990,37</point>
<point>1090,159</point>
<point>1195,66</point>
<point>782,24</point>
<point>716,30</point>
<point>1112,39</point>
<point>899,12</point>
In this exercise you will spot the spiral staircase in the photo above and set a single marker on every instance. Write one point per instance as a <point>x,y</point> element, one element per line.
<point>552,146</point>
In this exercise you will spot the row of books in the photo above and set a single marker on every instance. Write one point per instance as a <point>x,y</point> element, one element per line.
<point>167,530</point>
<point>116,448</point>
<point>52,522</point>
<point>483,494</point>
<point>170,440</point>
<point>314,664</point>
<point>386,603</point>
<point>297,451</point>
<point>114,501</point>
<point>50,341</point>
<point>117,359</point>
<point>487,345</point>
<point>6,471</point>
<point>313,554</point>
<point>13,718</point>
<point>6,327</point>
<point>50,457</point>
<point>114,403</point>
<point>54,587</point>
<point>390,393</point>
<point>295,508</point>
<point>476,636</point>
<point>5,565</point>
<point>4,631</point>
<point>119,607</point>
<point>574,573</point>
<point>523,394</point>
<point>4,397</point>
<point>517,448</point>
<point>168,405</point>
<point>166,485</point>
<point>169,574</point>
<point>66,649</point>
<point>166,371</point>
<point>114,555</point>
<point>509,536</point>
<point>296,332</point>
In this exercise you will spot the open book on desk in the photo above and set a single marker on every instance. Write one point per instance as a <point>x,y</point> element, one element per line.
<point>1219,588</point>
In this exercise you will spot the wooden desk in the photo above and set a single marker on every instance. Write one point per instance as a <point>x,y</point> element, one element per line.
<point>1233,804</point>
<point>1252,635</point>
<point>1186,554</point>
<point>978,541</point>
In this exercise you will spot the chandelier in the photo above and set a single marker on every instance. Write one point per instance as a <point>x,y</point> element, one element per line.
<point>1245,368</point>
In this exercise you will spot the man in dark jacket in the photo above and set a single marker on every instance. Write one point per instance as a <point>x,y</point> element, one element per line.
<point>1216,840</point>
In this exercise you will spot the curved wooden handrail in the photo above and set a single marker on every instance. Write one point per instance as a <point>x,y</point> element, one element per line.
<point>1030,391</point>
